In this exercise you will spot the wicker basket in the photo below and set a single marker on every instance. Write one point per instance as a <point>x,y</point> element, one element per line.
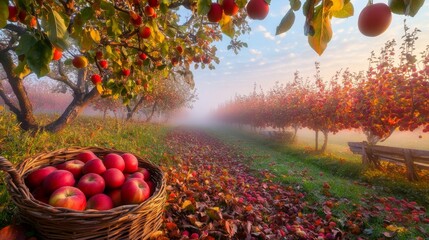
<point>123,222</point>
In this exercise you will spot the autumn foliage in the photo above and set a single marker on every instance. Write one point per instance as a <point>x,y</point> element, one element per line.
<point>391,95</point>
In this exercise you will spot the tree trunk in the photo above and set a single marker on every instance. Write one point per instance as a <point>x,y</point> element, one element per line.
<point>24,113</point>
<point>295,131</point>
<point>325,141</point>
<point>317,140</point>
<point>132,111</point>
<point>72,111</point>
<point>152,112</point>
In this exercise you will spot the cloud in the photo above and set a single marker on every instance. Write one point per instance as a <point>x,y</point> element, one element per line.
<point>255,52</point>
<point>269,36</point>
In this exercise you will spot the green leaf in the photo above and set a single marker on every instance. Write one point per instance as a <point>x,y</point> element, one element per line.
<point>39,57</point>
<point>397,6</point>
<point>322,31</point>
<point>4,13</point>
<point>345,12</point>
<point>286,22</point>
<point>57,29</point>
<point>227,26</point>
<point>26,42</point>
<point>87,13</point>
<point>22,69</point>
<point>113,27</point>
<point>241,3</point>
<point>203,6</point>
<point>295,4</point>
<point>413,7</point>
<point>108,7</point>
<point>24,5</point>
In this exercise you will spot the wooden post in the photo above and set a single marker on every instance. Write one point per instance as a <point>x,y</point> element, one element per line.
<point>365,161</point>
<point>409,165</point>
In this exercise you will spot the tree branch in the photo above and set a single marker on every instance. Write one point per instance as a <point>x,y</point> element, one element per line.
<point>7,100</point>
<point>62,77</point>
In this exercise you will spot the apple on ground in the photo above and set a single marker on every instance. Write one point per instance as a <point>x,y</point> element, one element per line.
<point>113,178</point>
<point>131,163</point>
<point>73,166</point>
<point>57,179</point>
<point>91,184</point>
<point>115,195</point>
<point>134,191</point>
<point>15,232</point>
<point>68,197</point>
<point>145,172</point>
<point>113,160</point>
<point>86,155</point>
<point>99,202</point>
<point>94,166</point>
<point>35,178</point>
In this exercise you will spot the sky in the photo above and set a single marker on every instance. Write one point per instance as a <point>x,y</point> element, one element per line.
<point>269,58</point>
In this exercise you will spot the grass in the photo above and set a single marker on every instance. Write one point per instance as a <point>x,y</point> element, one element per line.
<point>297,165</point>
<point>15,145</point>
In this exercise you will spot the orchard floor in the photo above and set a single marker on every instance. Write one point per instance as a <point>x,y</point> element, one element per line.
<point>213,194</point>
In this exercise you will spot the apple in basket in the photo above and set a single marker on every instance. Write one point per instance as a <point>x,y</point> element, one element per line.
<point>57,179</point>
<point>73,166</point>
<point>68,197</point>
<point>35,178</point>
<point>99,202</point>
<point>134,191</point>
<point>91,184</point>
<point>86,155</point>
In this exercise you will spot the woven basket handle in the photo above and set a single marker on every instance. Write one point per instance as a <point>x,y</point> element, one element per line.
<point>7,166</point>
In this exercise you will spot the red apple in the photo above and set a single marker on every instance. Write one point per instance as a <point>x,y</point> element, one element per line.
<point>257,9</point>
<point>80,62</point>
<point>57,179</point>
<point>134,191</point>
<point>374,19</point>
<point>179,49</point>
<point>86,155</point>
<point>68,197</point>
<point>145,172</point>
<point>136,19</point>
<point>113,160</point>
<point>96,79</point>
<point>113,178</point>
<point>151,186</point>
<point>215,13</point>
<point>126,72</point>
<point>57,54</point>
<point>99,55</point>
<point>149,11</point>
<point>99,202</point>
<point>115,195</point>
<point>13,14</point>
<point>94,166</point>
<point>73,166</point>
<point>40,194</point>
<point>230,8</point>
<point>103,64</point>
<point>154,3</point>
<point>136,175</point>
<point>131,163</point>
<point>91,184</point>
<point>35,178</point>
<point>142,56</point>
<point>144,32</point>
<point>15,232</point>
<point>174,61</point>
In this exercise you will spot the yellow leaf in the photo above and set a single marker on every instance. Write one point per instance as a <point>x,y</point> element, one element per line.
<point>337,5</point>
<point>187,205</point>
<point>227,26</point>
<point>394,228</point>
<point>1,108</point>
<point>322,30</point>
<point>95,35</point>
<point>214,213</point>
<point>99,88</point>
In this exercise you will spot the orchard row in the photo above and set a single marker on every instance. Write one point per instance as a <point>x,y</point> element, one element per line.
<point>387,97</point>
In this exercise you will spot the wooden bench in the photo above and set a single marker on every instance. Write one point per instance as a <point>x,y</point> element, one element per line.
<point>410,158</point>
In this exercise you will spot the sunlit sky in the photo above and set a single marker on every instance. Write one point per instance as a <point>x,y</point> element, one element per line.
<point>269,58</point>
